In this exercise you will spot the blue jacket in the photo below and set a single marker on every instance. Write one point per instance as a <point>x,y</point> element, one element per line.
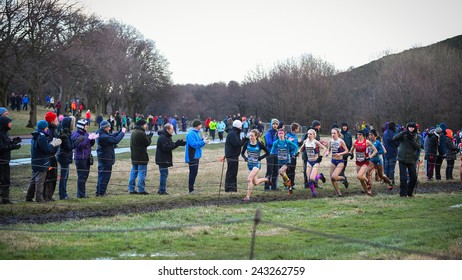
<point>194,144</point>
<point>106,145</point>
<point>390,145</point>
<point>40,151</point>
<point>270,137</point>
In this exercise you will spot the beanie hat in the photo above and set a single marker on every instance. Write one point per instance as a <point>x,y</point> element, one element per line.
<point>411,124</point>
<point>104,124</point>
<point>449,134</point>
<point>50,117</point>
<point>196,123</point>
<point>41,125</point>
<point>237,124</point>
<point>81,124</point>
<point>315,123</point>
<point>66,123</point>
<point>60,118</point>
<point>281,124</point>
<point>438,130</point>
<point>345,124</point>
<point>140,122</point>
<point>2,110</point>
<point>274,121</point>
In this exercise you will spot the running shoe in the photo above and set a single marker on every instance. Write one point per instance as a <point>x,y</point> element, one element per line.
<point>323,179</point>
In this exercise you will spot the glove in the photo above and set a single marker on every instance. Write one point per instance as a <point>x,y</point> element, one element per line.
<point>319,159</point>
<point>150,134</point>
<point>410,136</point>
<point>93,136</point>
<point>367,158</point>
<point>17,140</point>
<point>16,146</point>
<point>297,154</point>
<point>56,142</point>
<point>351,155</point>
<point>180,142</point>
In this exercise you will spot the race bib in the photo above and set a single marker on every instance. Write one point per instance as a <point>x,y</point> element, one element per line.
<point>253,158</point>
<point>360,156</point>
<point>282,154</point>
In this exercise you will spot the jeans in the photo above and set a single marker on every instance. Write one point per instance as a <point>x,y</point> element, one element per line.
<point>389,167</point>
<point>163,179</point>
<point>83,170</point>
<point>104,175</point>
<point>407,188</point>
<point>193,169</point>
<point>138,170</point>
<point>62,187</point>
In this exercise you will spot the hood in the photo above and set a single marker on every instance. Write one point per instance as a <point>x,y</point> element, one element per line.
<point>4,121</point>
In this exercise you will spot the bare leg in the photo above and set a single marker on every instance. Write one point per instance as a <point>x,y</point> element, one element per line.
<point>335,176</point>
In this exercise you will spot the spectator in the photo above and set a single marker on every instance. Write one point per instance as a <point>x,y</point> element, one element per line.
<point>164,157</point>
<point>6,146</point>
<point>52,173</point>
<point>139,143</point>
<point>232,151</point>
<point>106,155</point>
<point>193,152</point>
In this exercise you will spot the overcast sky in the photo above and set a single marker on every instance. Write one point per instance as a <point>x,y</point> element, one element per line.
<point>208,41</point>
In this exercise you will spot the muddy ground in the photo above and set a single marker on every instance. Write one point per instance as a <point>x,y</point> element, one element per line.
<point>68,215</point>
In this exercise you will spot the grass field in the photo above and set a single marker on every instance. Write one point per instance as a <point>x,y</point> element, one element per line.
<point>216,225</point>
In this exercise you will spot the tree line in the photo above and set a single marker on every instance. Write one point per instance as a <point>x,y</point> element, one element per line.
<point>50,47</point>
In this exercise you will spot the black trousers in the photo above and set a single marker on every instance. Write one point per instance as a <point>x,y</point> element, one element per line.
<point>231,174</point>
<point>5,181</point>
<point>272,170</point>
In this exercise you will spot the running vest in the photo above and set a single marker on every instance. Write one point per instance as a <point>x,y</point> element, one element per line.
<point>253,153</point>
<point>361,150</point>
<point>336,146</point>
<point>311,150</point>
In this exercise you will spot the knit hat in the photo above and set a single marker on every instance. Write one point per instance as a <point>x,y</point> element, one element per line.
<point>50,117</point>
<point>345,124</point>
<point>140,122</point>
<point>196,123</point>
<point>315,123</point>
<point>41,125</point>
<point>274,121</point>
<point>104,124</point>
<point>81,124</point>
<point>438,130</point>
<point>66,123</point>
<point>449,134</point>
<point>411,124</point>
<point>237,124</point>
<point>2,110</point>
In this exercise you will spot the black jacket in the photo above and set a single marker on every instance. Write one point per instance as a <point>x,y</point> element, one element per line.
<point>139,143</point>
<point>233,143</point>
<point>165,146</point>
<point>6,144</point>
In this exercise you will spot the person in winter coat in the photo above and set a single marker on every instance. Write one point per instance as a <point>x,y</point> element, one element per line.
<point>271,160</point>
<point>106,155</point>
<point>407,151</point>
<point>139,143</point>
<point>441,151</point>
<point>431,149</point>
<point>52,173</point>
<point>6,146</point>
<point>64,154</point>
<point>193,152</point>
<point>233,147</point>
<point>164,157</point>
<point>41,150</point>
<point>391,147</point>
<point>82,156</point>
<point>451,154</point>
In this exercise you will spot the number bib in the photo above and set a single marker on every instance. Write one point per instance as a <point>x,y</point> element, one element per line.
<point>252,157</point>
<point>360,156</point>
<point>282,154</point>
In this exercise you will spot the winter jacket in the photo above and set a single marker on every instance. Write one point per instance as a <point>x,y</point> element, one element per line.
<point>6,144</point>
<point>408,147</point>
<point>106,145</point>
<point>347,138</point>
<point>451,149</point>
<point>194,144</point>
<point>165,146</point>
<point>233,143</point>
<point>270,138</point>
<point>83,149</point>
<point>431,144</point>
<point>41,151</point>
<point>390,145</point>
<point>139,143</point>
<point>64,154</point>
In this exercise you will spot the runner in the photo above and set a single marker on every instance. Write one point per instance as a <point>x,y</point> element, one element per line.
<point>311,147</point>
<point>363,159</point>
<point>338,148</point>
<point>284,150</point>
<point>377,160</point>
<point>253,158</point>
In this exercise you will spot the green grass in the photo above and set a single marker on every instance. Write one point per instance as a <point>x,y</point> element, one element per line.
<point>427,224</point>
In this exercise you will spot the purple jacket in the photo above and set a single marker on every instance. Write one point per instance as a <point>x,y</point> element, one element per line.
<point>83,150</point>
